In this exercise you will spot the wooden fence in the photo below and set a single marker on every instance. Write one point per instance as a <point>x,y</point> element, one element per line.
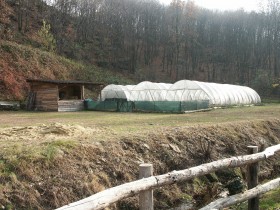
<point>144,186</point>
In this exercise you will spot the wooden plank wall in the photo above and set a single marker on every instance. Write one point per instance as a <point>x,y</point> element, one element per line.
<point>70,105</point>
<point>46,97</point>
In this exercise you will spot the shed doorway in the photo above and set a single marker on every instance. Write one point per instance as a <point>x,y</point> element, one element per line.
<point>70,92</point>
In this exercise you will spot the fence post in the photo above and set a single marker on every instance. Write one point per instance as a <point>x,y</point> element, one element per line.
<point>252,179</point>
<point>146,200</point>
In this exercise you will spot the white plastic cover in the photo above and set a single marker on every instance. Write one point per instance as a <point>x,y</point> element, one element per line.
<point>116,92</point>
<point>217,94</point>
<point>149,91</point>
<point>184,90</point>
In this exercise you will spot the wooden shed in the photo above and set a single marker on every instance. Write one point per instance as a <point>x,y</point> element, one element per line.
<point>55,95</point>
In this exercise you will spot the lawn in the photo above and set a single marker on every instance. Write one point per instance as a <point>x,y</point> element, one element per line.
<point>122,123</point>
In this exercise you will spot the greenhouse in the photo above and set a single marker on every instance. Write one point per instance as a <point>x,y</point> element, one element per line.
<point>184,95</point>
<point>217,94</point>
<point>116,92</point>
<point>149,91</point>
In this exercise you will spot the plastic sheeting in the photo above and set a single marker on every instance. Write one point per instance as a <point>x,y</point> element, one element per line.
<point>184,90</point>
<point>148,91</point>
<point>116,92</point>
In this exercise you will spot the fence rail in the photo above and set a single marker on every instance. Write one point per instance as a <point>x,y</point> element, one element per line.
<point>109,196</point>
<point>238,198</point>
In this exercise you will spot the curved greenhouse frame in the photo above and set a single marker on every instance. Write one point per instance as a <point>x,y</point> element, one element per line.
<point>116,92</point>
<point>183,91</point>
<point>149,91</point>
<point>217,94</point>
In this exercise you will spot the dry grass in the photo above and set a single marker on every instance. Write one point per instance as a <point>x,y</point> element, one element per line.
<point>56,158</point>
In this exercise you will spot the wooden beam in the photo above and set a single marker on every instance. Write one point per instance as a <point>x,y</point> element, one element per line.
<point>82,92</point>
<point>252,178</point>
<point>238,198</point>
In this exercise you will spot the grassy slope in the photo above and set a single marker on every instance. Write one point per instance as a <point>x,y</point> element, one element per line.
<point>78,166</point>
<point>19,62</point>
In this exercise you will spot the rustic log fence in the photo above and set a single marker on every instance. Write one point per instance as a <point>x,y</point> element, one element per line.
<point>247,195</point>
<point>109,196</point>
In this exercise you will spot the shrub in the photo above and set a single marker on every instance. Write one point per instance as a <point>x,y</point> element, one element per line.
<point>47,39</point>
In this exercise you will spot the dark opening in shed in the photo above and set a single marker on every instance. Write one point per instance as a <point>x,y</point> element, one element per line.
<point>70,92</point>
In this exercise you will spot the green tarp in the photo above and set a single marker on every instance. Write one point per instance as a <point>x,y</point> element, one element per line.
<point>146,106</point>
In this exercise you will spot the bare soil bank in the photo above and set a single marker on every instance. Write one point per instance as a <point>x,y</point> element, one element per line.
<point>61,168</point>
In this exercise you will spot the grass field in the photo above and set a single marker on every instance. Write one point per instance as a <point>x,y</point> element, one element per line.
<point>29,131</point>
<point>124,123</point>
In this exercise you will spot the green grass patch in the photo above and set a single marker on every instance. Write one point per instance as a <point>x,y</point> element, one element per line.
<point>268,201</point>
<point>56,148</point>
<point>271,200</point>
<point>63,144</point>
<point>7,169</point>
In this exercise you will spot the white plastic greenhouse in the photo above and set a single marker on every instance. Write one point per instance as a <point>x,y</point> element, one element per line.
<point>217,94</point>
<point>182,91</point>
<point>116,92</point>
<point>149,91</point>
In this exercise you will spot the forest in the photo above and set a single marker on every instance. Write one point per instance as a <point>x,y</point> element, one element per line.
<point>160,43</point>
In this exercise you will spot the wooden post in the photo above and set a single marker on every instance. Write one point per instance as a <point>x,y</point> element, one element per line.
<point>146,200</point>
<point>82,92</point>
<point>252,179</point>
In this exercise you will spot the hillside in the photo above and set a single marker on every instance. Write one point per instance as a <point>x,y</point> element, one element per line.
<point>23,56</point>
<point>19,62</point>
<point>150,41</point>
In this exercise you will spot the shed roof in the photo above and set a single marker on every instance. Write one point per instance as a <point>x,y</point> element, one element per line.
<point>77,82</point>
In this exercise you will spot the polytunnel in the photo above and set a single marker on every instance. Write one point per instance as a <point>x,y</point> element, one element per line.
<point>116,92</point>
<point>217,94</point>
<point>149,91</point>
<point>186,90</point>
<point>182,96</point>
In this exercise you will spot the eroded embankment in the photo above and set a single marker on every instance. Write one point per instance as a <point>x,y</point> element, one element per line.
<point>65,169</point>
